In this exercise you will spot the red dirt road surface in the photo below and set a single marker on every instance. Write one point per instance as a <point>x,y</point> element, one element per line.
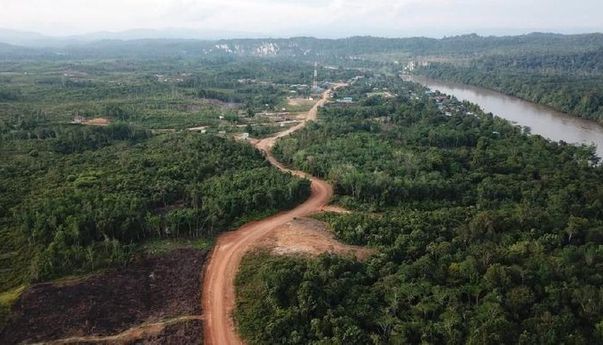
<point>218,287</point>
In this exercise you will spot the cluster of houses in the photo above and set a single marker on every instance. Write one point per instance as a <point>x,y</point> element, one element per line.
<point>447,104</point>
<point>345,100</point>
<point>295,89</point>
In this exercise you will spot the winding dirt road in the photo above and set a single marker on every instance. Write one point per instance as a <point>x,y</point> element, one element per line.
<point>218,296</point>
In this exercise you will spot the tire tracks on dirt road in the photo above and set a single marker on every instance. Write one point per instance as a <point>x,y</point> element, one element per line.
<point>218,295</point>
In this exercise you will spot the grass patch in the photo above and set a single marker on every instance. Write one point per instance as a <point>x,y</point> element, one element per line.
<point>7,299</point>
<point>160,246</point>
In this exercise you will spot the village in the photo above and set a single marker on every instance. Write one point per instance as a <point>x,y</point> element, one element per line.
<point>239,120</point>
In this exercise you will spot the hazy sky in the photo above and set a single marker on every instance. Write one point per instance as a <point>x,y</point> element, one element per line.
<point>324,18</point>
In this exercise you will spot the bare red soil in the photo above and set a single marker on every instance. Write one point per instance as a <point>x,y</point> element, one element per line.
<point>310,237</point>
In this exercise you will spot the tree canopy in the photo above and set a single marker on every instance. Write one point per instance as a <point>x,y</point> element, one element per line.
<point>485,234</point>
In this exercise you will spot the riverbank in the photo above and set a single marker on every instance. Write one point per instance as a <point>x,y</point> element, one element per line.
<point>541,120</point>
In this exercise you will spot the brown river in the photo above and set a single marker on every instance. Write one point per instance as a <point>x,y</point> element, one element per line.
<point>542,120</point>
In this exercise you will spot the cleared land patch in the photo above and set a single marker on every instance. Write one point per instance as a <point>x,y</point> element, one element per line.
<point>150,290</point>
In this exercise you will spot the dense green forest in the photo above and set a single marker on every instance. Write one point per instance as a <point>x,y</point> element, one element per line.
<point>485,234</point>
<point>569,82</point>
<point>79,196</point>
<point>68,206</point>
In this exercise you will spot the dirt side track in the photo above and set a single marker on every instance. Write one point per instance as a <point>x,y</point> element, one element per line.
<point>218,286</point>
<point>150,290</point>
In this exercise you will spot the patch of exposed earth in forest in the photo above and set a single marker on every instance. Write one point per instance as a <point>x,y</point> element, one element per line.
<point>307,236</point>
<point>148,291</point>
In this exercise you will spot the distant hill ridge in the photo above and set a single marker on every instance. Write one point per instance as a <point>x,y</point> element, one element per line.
<point>114,45</point>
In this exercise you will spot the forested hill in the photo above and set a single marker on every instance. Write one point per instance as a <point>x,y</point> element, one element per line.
<point>577,63</point>
<point>313,48</point>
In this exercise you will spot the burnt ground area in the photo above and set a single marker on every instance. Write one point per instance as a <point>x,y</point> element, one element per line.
<point>189,332</point>
<point>148,290</point>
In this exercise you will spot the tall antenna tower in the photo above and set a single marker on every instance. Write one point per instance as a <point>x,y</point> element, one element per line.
<point>315,82</point>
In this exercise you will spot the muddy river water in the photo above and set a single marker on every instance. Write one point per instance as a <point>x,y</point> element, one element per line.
<point>541,120</point>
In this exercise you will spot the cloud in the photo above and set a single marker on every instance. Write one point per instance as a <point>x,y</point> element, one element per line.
<point>314,17</point>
